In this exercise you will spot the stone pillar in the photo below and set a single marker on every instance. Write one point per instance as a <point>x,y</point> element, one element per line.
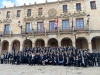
<point>46,44</point>
<point>90,47</point>
<point>10,49</point>
<point>59,43</point>
<point>73,44</point>
<point>21,48</point>
<point>33,44</point>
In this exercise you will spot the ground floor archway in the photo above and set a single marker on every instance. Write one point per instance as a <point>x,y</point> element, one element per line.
<point>53,42</point>
<point>66,42</point>
<point>5,47</point>
<point>81,43</point>
<point>95,44</point>
<point>16,43</point>
<point>40,43</point>
<point>28,43</point>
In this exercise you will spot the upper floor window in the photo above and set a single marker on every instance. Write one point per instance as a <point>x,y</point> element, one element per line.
<point>40,10</point>
<point>65,24</point>
<point>51,25</point>
<point>78,6</point>
<point>29,12</point>
<point>80,23</point>
<point>93,5</point>
<point>65,8</point>
<point>18,13</point>
<point>40,26</point>
<point>28,27</point>
<point>8,14</point>
<point>7,29</point>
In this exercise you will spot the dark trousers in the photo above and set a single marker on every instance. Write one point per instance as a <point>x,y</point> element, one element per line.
<point>1,61</point>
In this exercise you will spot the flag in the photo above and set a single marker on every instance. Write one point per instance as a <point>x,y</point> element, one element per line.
<point>56,24</point>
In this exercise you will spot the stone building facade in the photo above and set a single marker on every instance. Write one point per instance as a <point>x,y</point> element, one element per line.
<point>34,25</point>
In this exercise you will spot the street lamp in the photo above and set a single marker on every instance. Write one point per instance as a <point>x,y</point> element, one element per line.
<point>88,17</point>
<point>19,24</point>
<point>26,38</point>
<point>74,33</point>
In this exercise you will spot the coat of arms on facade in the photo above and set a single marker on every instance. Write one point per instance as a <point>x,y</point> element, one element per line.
<point>52,12</point>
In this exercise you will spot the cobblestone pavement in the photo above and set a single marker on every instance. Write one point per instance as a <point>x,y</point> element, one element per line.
<point>8,69</point>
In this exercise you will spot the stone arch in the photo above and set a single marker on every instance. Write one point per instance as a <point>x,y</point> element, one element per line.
<point>40,42</point>
<point>16,43</point>
<point>53,42</point>
<point>5,46</point>
<point>28,43</point>
<point>95,42</point>
<point>66,42</point>
<point>81,43</point>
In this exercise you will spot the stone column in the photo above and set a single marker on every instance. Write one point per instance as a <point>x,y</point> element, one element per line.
<point>46,44</point>
<point>10,49</point>
<point>59,43</point>
<point>21,48</point>
<point>73,44</point>
<point>90,47</point>
<point>33,44</point>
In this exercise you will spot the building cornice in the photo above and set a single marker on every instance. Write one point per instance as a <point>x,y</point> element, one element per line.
<point>39,4</point>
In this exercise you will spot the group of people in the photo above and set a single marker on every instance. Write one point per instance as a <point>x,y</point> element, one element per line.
<point>67,56</point>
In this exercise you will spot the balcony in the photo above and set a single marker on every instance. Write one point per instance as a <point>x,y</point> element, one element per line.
<point>6,33</point>
<point>54,31</point>
<point>67,30</point>
<point>30,32</point>
<point>82,29</point>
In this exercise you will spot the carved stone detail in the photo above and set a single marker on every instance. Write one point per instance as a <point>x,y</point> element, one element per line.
<point>7,21</point>
<point>40,18</point>
<point>65,15</point>
<point>52,17</point>
<point>79,13</point>
<point>28,19</point>
<point>52,12</point>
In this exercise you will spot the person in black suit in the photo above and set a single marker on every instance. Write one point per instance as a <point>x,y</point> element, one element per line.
<point>77,61</point>
<point>98,59</point>
<point>66,61</point>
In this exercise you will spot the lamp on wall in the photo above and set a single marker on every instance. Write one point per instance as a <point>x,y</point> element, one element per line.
<point>19,24</point>
<point>74,33</point>
<point>26,38</point>
<point>88,17</point>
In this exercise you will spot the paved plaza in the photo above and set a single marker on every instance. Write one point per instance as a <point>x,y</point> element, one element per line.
<point>8,69</point>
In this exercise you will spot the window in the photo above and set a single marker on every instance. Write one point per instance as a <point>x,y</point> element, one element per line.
<point>40,10</point>
<point>65,24</point>
<point>78,6</point>
<point>93,5</point>
<point>79,23</point>
<point>64,8</point>
<point>40,26</point>
<point>8,14</point>
<point>29,12</point>
<point>18,13</point>
<point>51,25</point>
<point>28,27</point>
<point>7,29</point>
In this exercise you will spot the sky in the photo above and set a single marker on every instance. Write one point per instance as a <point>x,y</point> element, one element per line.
<point>10,3</point>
